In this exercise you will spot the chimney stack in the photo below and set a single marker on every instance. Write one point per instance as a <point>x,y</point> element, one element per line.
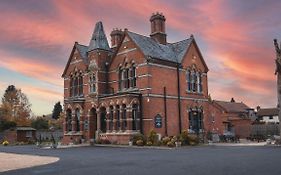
<point>116,37</point>
<point>158,28</point>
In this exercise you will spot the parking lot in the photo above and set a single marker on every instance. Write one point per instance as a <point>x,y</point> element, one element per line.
<point>224,160</point>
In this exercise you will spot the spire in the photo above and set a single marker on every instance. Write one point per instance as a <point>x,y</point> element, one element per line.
<point>98,40</point>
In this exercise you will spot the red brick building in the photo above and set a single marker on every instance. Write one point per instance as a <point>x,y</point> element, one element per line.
<point>139,84</point>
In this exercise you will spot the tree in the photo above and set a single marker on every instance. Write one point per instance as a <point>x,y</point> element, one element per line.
<point>15,106</point>
<point>40,123</point>
<point>57,110</point>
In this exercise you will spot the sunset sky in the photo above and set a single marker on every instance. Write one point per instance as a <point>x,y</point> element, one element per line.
<point>235,38</point>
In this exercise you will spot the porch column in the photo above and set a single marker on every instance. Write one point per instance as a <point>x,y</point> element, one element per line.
<point>114,119</point>
<point>121,119</point>
<point>81,124</point>
<point>98,119</point>
<point>129,119</point>
<point>65,129</point>
<point>107,120</point>
<point>90,127</point>
<point>98,124</point>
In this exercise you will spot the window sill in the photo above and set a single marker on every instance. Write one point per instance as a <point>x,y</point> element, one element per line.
<point>128,89</point>
<point>196,93</point>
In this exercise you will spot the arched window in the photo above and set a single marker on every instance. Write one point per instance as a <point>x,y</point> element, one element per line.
<point>135,117</point>
<point>126,81</point>
<point>110,118</point>
<point>68,120</point>
<point>118,117</point>
<point>124,117</point>
<point>133,76</point>
<point>120,79</point>
<point>194,81</point>
<point>77,117</point>
<point>71,83</point>
<point>80,85</point>
<point>75,86</point>
<point>92,82</point>
<point>188,80</point>
<point>199,80</point>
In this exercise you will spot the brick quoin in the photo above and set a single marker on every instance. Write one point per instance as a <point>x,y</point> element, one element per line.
<point>129,80</point>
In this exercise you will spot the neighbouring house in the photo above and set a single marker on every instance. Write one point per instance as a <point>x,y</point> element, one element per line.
<point>140,83</point>
<point>20,134</point>
<point>236,118</point>
<point>268,115</point>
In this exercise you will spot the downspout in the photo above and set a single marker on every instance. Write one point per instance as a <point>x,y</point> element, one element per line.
<point>140,112</point>
<point>179,100</point>
<point>165,111</point>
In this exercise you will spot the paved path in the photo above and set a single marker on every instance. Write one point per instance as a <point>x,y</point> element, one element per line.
<point>202,160</point>
<point>10,161</point>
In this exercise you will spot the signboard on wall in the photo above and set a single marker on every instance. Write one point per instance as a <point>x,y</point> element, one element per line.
<point>158,121</point>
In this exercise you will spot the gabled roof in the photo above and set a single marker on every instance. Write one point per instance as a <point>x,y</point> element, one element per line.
<point>233,107</point>
<point>268,112</point>
<point>170,52</point>
<point>98,40</point>
<point>83,53</point>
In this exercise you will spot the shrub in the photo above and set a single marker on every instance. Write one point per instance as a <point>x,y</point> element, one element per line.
<point>152,137</point>
<point>137,137</point>
<point>105,141</point>
<point>98,141</point>
<point>183,138</point>
<point>139,143</point>
<point>149,143</point>
<point>165,140</point>
<point>193,140</point>
<point>170,144</point>
<point>5,143</point>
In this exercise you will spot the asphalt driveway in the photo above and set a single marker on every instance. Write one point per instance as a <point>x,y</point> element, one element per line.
<point>131,161</point>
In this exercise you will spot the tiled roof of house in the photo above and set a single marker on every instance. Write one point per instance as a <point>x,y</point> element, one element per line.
<point>233,106</point>
<point>171,51</point>
<point>267,112</point>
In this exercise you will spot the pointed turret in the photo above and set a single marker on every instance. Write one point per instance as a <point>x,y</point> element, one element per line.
<point>98,40</point>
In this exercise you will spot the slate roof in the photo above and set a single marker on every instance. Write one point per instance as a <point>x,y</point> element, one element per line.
<point>83,52</point>
<point>233,107</point>
<point>268,112</point>
<point>98,40</point>
<point>171,51</point>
